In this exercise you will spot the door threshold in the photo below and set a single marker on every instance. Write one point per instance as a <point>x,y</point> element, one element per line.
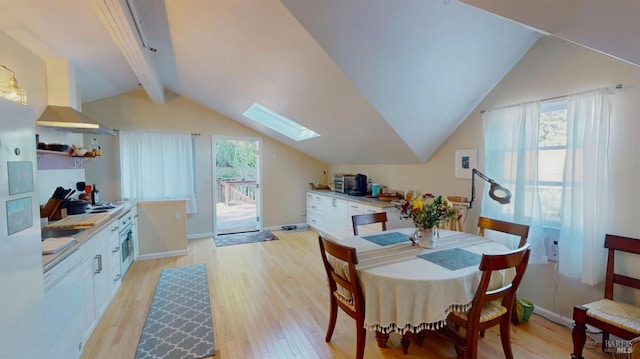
<point>239,232</point>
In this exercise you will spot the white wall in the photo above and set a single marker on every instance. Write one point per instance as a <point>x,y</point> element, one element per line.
<point>551,68</point>
<point>286,172</point>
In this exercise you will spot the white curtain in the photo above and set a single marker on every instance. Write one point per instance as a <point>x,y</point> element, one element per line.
<point>157,166</point>
<point>511,151</point>
<point>586,188</point>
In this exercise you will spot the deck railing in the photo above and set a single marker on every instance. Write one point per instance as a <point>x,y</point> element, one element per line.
<point>236,192</point>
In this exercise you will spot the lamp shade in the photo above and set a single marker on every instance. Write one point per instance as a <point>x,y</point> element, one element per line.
<point>9,88</point>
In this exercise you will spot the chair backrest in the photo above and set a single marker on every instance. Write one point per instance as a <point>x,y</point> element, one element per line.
<point>520,230</point>
<point>517,259</point>
<point>342,276</point>
<point>369,218</point>
<point>624,244</point>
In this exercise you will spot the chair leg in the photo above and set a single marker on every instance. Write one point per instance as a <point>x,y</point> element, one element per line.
<point>505,338</point>
<point>405,342</point>
<point>361,336</point>
<point>605,339</point>
<point>333,315</point>
<point>578,334</point>
<point>472,344</point>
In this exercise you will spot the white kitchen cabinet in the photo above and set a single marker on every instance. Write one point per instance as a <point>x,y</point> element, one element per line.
<point>87,272</point>
<point>101,278</point>
<point>327,215</point>
<point>97,289</point>
<point>374,227</point>
<point>316,210</point>
<point>331,214</point>
<point>63,309</point>
<point>113,263</point>
<point>134,225</point>
<point>339,223</point>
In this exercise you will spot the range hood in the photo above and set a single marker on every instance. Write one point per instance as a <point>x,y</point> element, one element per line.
<point>67,119</point>
<point>63,112</point>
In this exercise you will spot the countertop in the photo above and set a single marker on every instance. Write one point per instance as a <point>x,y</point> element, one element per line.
<point>50,260</point>
<point>362,199</point>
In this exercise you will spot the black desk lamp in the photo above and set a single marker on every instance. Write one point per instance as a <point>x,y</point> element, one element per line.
<point>496,191</point>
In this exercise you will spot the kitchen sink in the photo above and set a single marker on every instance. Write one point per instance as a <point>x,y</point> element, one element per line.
<point>66,232</point>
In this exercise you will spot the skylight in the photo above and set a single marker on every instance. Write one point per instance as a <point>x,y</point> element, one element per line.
<point>279,123</point>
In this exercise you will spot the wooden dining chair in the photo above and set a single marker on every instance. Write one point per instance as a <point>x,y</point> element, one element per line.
<point>368,218</point>
<point>515,229</point>
<point>344,287</point>
<point>489,307</point>
<point>521,230</point>
<point>611,316</point>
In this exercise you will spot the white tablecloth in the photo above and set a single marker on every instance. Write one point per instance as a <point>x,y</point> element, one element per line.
<point>406,293</point>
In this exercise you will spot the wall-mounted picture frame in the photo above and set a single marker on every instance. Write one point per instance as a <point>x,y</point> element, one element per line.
<point>465,162</point>
<point>20,176</point>
<point>19,215</point>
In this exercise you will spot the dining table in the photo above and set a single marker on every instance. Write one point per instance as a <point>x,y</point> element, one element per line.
<point>410,289</point>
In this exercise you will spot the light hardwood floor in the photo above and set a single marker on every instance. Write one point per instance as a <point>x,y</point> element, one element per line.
<point>270,300</point>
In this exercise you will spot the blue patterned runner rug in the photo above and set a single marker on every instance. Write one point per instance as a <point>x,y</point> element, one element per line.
<point>179,324</point>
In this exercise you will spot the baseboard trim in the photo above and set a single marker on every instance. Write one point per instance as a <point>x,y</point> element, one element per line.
<point>144,257</point>
<point>200,235</point>
<point>299,227</point>
<point>553,316</point>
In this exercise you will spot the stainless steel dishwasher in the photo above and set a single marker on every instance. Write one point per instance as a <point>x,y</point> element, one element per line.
<point>63,307</point>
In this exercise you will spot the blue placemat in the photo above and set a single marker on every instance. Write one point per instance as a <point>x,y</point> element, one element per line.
<point>385,239</point>
<point>453,259</point>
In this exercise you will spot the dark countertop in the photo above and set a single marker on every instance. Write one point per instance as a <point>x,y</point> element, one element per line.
<point>50,260</point>
<point>362,199</point>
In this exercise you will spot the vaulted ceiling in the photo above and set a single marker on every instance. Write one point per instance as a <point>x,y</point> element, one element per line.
<point>382,81</point>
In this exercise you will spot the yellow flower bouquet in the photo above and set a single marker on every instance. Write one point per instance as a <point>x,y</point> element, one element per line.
<point>428,211</point>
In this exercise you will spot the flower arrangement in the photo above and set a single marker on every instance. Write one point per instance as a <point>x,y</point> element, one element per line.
<point>428,210</point>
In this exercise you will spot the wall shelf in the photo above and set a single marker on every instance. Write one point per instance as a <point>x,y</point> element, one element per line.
<point>54,160</point>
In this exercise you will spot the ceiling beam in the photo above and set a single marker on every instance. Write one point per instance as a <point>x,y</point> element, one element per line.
<point>118,18</point>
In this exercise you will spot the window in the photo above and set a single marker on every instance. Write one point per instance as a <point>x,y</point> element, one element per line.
<point>279,123</point>
<point>157,166</point>
<point>553,156</point>
<point>552,150</point>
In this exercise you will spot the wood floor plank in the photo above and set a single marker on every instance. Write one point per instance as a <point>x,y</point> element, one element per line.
<point>271,300</point>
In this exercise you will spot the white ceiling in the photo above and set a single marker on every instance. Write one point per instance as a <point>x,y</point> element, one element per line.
<point>382,81</point>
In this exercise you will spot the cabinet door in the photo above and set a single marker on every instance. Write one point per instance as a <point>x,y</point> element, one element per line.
<point>340,218</point>
<point>374,227</point>
<point>101,279</point>
<point>113,264</point>
<point>87,272</point>
<point>134,227</point>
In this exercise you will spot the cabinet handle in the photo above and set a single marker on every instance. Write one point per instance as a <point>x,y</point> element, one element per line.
<point>99,258</point>
<point>97,268</point>
<point>136,216</point>
<point>115,249</point>
<point>117,278</point>
<point>115,229</point>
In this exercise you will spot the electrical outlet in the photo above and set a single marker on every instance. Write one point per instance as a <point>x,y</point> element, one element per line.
<point>552,249</point>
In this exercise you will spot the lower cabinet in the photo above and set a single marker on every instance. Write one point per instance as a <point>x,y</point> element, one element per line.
<point>331,215</point>
<point>79,289</point>
<point>97,282</point>
<point>63,309</point>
